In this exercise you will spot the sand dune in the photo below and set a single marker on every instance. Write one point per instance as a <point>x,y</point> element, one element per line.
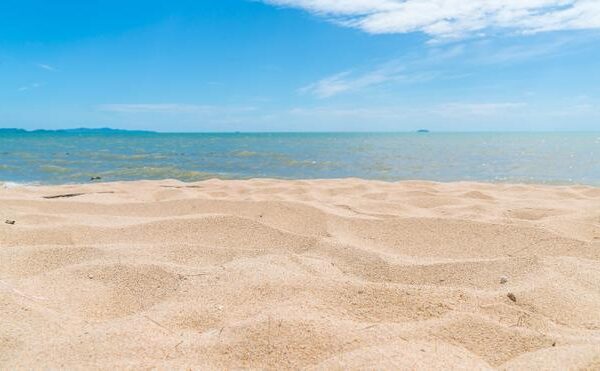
<point>319,274</point>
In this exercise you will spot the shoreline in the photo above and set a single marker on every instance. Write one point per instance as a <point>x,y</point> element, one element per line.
<point>12,184</point>
<point>318,274</point>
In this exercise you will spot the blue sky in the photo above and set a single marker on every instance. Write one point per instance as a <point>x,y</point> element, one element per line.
<point>301,65</point>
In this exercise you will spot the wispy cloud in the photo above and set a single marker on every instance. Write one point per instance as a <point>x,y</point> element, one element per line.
<point>185,116</point>
<point>35,85</point>
<point>449,109</point>
<point>581,105</point>
<point>350,81</point>
<point>169,108</point>
<point>478,109</point>
<point>439,62</point>
<point>154,108</point>
<point>412,69</point>
<point>489,52</point>
<point>347,112</point>
<point>46,67</point>
<point>346,81</point>
<point>455,18</point>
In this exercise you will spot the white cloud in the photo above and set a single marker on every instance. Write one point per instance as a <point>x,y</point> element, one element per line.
<point>46,67</point>
<point>455,18</point>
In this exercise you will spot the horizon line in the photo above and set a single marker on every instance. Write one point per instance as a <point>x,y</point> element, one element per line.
<point>415,131</point>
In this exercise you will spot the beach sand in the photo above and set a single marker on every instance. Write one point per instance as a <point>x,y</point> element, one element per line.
<point>319,274</point>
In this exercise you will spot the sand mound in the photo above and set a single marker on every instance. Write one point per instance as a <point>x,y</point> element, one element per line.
<point>323,274</point>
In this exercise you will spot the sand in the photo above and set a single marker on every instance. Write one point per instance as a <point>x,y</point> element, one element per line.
<point>320,274</point>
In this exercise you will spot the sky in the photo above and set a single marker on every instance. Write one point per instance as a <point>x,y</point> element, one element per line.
<point>301,65</point>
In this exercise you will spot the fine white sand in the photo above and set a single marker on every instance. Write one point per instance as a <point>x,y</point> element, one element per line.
<point>324,274</point>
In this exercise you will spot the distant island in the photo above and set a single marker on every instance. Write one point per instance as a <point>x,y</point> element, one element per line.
<point>72,131</point>
<point>422,131</point>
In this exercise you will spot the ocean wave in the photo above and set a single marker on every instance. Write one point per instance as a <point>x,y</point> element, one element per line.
<point>8,185</point>
<point>245,154</point>
<point>54,169</point>
<point>166,172</point>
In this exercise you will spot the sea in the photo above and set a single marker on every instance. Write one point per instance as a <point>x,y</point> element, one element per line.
<point>58,157</point>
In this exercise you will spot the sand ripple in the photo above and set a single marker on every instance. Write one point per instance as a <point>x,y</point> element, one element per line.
<point>323,274</point>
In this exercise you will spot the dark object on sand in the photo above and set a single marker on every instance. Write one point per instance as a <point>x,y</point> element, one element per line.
<point>512,297</point>
<point>11,222</point>
<point>95,178</point>
<point>68,195</point>
<point>422,131</point>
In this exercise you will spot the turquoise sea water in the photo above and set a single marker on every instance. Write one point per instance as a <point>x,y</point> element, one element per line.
<point>54,157</point>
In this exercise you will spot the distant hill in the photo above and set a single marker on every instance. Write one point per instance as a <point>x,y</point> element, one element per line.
<point>72,131</point>
<point>11,131</point>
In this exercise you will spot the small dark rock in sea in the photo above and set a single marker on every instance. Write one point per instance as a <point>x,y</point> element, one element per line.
<point>95,178</point>
<point>512,297</point>
<point>11,222</point>
<point>423,131</point>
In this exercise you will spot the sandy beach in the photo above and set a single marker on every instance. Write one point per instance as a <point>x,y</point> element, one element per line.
<point>319,274</point>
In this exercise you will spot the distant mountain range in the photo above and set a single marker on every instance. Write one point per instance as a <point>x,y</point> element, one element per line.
<point>72,131</point>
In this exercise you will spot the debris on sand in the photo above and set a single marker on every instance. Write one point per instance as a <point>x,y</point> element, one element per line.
<point>11,222</point>
<point>68,195</point>
<point>512,297</point>
<point>503,280</point>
